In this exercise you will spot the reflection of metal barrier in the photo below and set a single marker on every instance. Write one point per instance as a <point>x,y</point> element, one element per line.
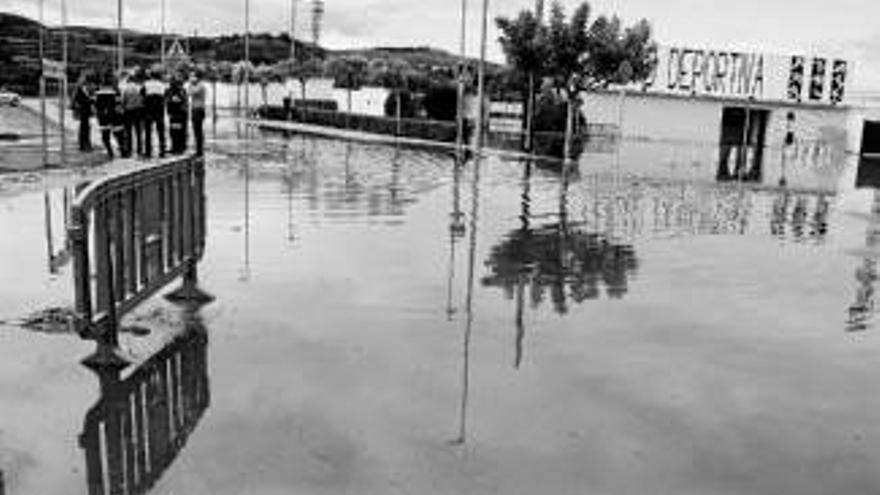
<point>138,427</point>
<point>131,235</point>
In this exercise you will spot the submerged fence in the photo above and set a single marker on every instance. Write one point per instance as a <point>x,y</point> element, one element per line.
<point>132,234</point>
<point>139,425</point>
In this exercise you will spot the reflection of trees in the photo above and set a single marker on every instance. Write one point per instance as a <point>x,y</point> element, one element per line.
<point>141,423</point>
<point>564,259</point>
<point>861,310</point>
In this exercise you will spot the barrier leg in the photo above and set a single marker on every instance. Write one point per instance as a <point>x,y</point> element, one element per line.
<point>189,292</point>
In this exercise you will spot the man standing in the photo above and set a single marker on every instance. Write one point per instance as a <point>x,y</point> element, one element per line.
<point>108,106</point>
<point>132,113</point>
<point>175,101</point>
<point>154,109</point>
<point>83,101</point>
<point>198,95</point>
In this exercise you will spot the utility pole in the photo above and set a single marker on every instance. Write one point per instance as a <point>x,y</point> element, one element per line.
<point>459,118</point>
<point>162,40</point>
<point>481,77</point>
<point>247,64</point>
<point>292,30</point>
<point>120,56</point>
<point>42,52</point>
<point>64,83</point>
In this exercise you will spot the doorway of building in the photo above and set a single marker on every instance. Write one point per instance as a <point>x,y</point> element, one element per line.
<point>743,134</point>
<point>869,156</point>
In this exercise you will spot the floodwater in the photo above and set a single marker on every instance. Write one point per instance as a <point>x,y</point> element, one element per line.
<point>389,322</point>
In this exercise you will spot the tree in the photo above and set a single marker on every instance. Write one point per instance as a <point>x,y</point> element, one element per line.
<point>348,73</point>
<point>584,57</point>
<point>300,70</point>
<point>524,41</point>
<point>264,74</point>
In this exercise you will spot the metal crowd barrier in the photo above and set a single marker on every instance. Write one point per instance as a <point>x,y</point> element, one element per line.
<point>131,235</point>
<point>140,424</point>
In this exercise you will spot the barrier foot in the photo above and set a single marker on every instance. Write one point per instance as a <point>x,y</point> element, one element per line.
<point>189,294</point>
<point>106,358</point>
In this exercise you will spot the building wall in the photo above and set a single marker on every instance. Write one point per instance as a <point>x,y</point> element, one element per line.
<point>678,137</point>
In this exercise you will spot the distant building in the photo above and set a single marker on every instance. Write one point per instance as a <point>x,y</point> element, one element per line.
<point>728,113</point>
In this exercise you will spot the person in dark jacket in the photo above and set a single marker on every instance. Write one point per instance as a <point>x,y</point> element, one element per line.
<point>176,104</point>
<point>132,113</point>
<point>154,111</point>
<point>108,106</point>
<point>83,101</point>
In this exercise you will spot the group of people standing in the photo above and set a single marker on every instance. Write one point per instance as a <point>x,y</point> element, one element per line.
<point>131,108</point>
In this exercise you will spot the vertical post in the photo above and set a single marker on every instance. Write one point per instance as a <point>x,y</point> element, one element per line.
<point>120,56</point>
<point>247,64</point>
<point>64,87</point>
<point>162,27</point>
<point>459,116</point>
<point>481,76</point>
<point>292,30</point>
<point>42,51</point>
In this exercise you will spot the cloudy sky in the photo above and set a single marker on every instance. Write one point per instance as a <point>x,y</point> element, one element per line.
<point>839,28</point>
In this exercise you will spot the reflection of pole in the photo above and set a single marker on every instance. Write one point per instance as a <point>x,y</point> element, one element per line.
<point>459,117</point>
<point>469,304</point>
<point>50,247</point>
<point>481,78</point>
<point>525,217</point>
<point>42,50</point>
<point>456,229</point>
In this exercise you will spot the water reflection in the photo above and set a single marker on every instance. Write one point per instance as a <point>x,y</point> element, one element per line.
<point>141,423</point>
<point>567,259</point>
<point>56,209</point>
<point>469,300</point>
<point>861,311</point>
<point>794,216</point>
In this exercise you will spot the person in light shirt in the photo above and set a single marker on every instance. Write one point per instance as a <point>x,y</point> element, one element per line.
<point>198,93</point>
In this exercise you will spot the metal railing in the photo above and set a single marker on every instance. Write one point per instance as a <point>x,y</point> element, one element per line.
<point>140,424</point>
<point>131,235</point>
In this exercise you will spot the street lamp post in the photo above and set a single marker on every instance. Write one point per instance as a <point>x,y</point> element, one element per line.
<point>459,118</point>
<point>481,77</point>
<point>162,38</point>
<point>42,51</point>
<point>120,57</point>
<point>247,63</point>
<point>64,88</point>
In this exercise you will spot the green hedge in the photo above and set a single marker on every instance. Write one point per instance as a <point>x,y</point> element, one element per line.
<point>412,128</point>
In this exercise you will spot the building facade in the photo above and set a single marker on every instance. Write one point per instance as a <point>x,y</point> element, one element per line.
<point>732,115</point>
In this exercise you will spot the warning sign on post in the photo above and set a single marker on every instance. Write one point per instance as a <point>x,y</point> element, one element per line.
<point>53,69</point>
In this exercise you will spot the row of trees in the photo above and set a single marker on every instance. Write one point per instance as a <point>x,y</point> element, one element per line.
<point>571,55</point>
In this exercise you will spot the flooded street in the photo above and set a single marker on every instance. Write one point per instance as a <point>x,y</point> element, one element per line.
<point>389,322</point>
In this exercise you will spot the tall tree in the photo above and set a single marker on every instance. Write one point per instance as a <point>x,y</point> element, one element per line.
<point>586,57</point>
<point>524,41</point>
<point>348,73</point>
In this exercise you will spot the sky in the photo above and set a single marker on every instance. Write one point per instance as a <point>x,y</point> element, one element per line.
<point>841,28</point>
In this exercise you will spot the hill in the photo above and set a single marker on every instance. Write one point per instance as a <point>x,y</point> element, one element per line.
<point>95,47</point>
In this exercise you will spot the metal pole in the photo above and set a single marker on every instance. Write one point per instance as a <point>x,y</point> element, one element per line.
<point>42,50</point>
<point>292,30</point>
<point>247,63</point>
<point>64,83</point>
<point>120,57</point>
<point>162,40</point>
<point>481,76</point>
<point>459,118</point>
